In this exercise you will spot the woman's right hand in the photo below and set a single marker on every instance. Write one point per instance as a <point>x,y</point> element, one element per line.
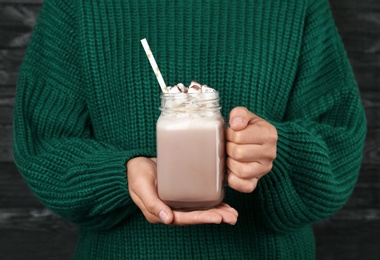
<point>142,184</point>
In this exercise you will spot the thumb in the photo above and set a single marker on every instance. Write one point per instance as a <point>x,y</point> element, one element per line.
<point>165,214</point>
<point>156,207</point>
<point>142,188</point>
<point>240,117</point>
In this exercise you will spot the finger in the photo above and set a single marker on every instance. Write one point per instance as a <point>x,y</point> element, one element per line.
<point>259,133</point>
<point>245,186</point>
<point>228,213</point>
<point>251,136</point>
<point>245,153</point>
<point>222,213</point>
<point>248,170</point>
<point>149,216</point>
<point>142,187</point>
<point>184,218</point>
<point>251,152</point>
<point>225,206</point>
<point>154,210</point>
<point>154,206</point>
<point>240,117</point>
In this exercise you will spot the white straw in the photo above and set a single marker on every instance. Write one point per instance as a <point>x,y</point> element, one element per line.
<point>153,63</point>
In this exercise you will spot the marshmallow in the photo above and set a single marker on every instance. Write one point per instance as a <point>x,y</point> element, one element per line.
<point>182,87</point>
<point>195,88</point>
<point>207,89</point>
<point>190,98</point>
<point>179,88</point>
<point>174,90</point>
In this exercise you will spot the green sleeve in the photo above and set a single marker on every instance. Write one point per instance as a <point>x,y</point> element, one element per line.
<point>72,173</point>
<point>321,139</point>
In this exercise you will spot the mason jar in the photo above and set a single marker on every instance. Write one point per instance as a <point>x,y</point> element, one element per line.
<point>190,151</point>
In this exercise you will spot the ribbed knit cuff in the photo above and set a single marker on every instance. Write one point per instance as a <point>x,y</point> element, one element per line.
<point>100,196</point>
<point>302,187</point>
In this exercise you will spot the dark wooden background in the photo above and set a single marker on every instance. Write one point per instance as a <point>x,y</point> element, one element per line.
<point>30,231</point>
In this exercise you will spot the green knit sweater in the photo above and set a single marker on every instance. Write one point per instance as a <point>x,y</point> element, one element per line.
<point>87,102</point>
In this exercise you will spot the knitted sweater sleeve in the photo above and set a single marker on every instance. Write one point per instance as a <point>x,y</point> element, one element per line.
<point>321,139</point>
<point>72,173</point>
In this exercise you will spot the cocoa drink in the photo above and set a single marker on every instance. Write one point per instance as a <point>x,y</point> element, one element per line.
<point>190,148</point>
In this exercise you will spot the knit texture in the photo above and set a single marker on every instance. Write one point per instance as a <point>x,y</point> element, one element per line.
<point>87,102</point>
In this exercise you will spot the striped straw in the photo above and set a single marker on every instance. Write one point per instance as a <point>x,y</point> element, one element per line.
<point>153,63</point>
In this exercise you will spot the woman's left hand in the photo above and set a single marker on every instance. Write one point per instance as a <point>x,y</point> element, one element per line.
<point>251,148</point>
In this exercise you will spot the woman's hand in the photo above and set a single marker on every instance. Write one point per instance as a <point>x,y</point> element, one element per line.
<point>251,148</point>
<point>142,183</point>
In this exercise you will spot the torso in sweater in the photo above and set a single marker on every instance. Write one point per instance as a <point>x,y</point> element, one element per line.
<point>248,50</point>
<point>88,101</point>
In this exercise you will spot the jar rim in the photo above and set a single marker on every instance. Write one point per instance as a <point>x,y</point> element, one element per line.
<point>181,94</point>
<point>181,102</point>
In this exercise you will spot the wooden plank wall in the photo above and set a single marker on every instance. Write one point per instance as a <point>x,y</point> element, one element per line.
<point>30,231</point>
<point>27,229</point>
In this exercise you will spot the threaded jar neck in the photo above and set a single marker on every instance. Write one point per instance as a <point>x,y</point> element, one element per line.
<point>202,104</point>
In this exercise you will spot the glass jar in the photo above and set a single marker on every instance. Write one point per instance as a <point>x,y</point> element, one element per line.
<point>190,151</point>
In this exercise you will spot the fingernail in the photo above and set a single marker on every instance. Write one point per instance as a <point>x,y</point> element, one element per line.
<point>164,216</point>
<point>237,120</point>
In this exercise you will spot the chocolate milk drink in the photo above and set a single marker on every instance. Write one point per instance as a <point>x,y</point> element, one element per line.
<point>190,150</point>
